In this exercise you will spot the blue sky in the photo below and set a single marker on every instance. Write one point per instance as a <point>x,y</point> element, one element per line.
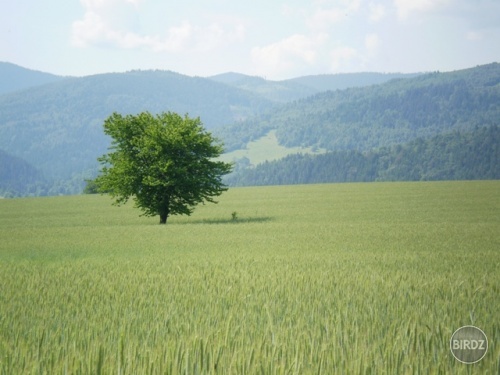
<point>274,39</point>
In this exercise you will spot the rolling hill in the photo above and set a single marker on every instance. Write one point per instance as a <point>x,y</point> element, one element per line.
<point>19,178</point>
<point>380,115</point>
<point>342,81</point>
<point>302,87</point>
<point>15,78</point>
<point>457,155</point>
<point>56,128</point>
<point>277,91</point>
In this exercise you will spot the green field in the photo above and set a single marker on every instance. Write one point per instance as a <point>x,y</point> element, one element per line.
<point>318,279</point>
<point>267,148</point>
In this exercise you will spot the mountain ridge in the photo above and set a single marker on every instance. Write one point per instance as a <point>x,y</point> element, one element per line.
<point>18,177</point>
<point>57,127</point>
<point>379,115</point>
<point>53,119</point>
<point>16,78</point>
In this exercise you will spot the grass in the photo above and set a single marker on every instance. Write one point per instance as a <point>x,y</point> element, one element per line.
<point>316,279</point>
<point>266,148</point>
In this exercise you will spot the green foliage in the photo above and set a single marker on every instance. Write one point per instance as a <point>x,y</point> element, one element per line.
<point>165,162</point>
<point>340,279</point>
<point>382,115</point>
<point>91,187</point>
<point>57,127</point>
<point>453,156</point>
<point>18,177</point>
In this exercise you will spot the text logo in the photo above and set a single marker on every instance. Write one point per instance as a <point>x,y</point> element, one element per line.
<point>468,344</point>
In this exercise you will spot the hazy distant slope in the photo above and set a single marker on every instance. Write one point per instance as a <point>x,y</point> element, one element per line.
<point>15,78</point>
<point>381,115</point>
<point>58,127</point>
<point>278,91</point>
<point>302,87</point>
<point>341,81</point>
<point>18,177</point>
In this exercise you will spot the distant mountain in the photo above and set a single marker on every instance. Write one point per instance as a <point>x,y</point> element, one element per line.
<point>380,115</point>
<point>342,81</point>
<point>58,127</point>
<point>53,131</point>
<point>303,87</point>
<point>15,78</point>
<point>232,78</point>
<point>277,91</point>
<point>451,156</point>
<point>18,177</point>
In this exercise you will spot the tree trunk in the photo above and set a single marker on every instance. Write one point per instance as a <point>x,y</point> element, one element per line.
<point>163,218</point>
<point>164,210</point>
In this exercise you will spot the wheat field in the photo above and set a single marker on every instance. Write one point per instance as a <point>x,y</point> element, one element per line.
<point>367,278</point>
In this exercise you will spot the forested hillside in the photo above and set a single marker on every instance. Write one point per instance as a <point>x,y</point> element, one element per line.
<point>277,91</point>
<point>19,178</point>
<point>381,115</point>
<point>16,78</point>
<point>342,81</point>
<point>452,156</point>
<point>58,127</point>
<point>302,87</point>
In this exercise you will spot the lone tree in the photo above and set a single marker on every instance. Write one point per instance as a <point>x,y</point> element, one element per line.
<point>166,162</point>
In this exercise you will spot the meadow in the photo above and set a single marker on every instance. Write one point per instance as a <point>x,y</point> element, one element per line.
<point>369,278</point>
<point>267,148</point>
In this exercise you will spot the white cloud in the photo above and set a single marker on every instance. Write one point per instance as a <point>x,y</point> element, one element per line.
<point>377,12</point>
<point>405,8</point>
<point>111,23</point>
<point>324,17</point>
<point>342,56</point>
<point>100,4</point>
<point>372,42</point>
<point>349,58</point>
<point>288,54</point>
<point>474,35</point>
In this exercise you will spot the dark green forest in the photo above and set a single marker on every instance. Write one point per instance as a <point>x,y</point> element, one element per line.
<point>58,127</point>
<point>380,115</point>
<point>51,134</point>
<point>452,156</point>
<point>19,178</point>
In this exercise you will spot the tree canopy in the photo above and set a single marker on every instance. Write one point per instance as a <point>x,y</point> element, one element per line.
<point>452,156</point>
<point>166,162</point>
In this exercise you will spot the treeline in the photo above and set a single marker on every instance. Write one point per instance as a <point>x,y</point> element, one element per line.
<point>381,115</point>
<point>18,177</point>
<point>302,87</point>
<point>57,127</point>
<point>453,156</point>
